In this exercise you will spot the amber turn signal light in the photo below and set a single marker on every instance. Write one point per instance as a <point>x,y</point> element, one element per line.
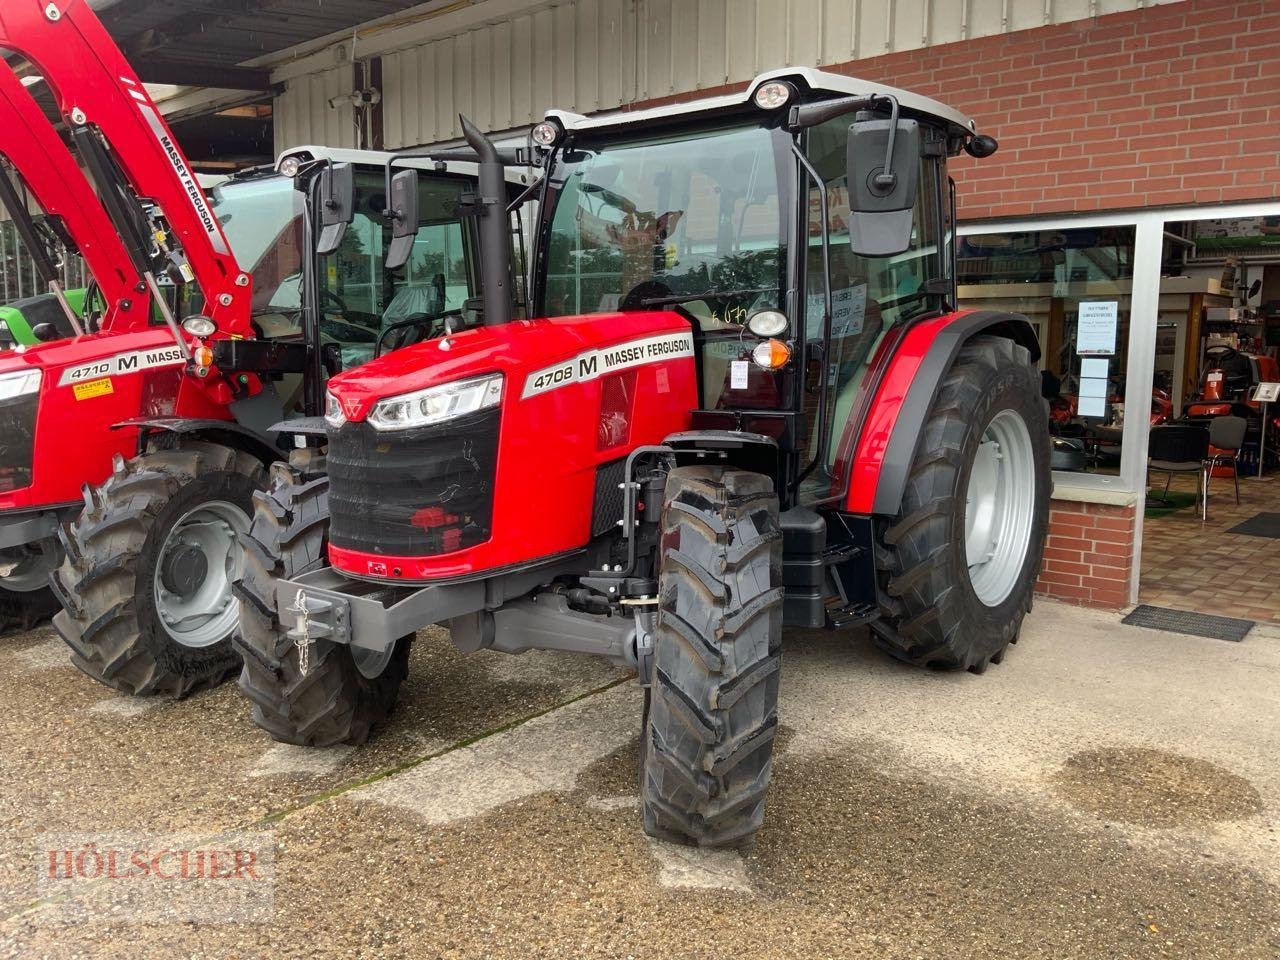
<point>771,354</point>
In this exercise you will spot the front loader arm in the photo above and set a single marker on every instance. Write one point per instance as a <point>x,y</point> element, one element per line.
<point>97,90</point>
<point>47,167</point>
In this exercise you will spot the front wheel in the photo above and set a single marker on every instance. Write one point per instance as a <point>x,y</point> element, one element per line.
<point>146,582</point>
<point>956,568</point>
<point>327,693</point>
<point>713,710</point>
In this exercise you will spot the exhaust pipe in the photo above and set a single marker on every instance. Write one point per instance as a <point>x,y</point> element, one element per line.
<point>495,230</point>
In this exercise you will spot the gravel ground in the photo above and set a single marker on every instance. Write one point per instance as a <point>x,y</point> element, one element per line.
<point>1105,792</point>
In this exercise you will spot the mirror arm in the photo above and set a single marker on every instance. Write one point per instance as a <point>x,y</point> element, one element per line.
<point>887,179</point>
<point>805,115</point>
<point>525,194</point>
<point>820,455</point>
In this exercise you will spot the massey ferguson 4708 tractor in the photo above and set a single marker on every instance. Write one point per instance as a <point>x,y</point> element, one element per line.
<point>130,454</point>
<point>749,401</point>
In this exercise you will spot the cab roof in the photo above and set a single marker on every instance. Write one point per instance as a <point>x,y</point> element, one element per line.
<point>379,158</point>
<point>815,81</point>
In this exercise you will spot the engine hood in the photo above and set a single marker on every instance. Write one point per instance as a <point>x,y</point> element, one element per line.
<point>77,351</point>
<point>522,351</point>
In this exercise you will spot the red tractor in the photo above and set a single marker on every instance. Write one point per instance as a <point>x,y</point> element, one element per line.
<point>737,409</point>
<point>133,450</point>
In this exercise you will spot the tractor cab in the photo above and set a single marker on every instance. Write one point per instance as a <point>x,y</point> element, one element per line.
<point>743,217</point>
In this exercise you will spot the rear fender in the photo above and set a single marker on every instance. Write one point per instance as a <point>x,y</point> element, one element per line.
<point>890,433</point>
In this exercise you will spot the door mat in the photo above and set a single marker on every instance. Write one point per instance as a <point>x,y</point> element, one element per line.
<point>1262,525</point>
<point>1183,621</point>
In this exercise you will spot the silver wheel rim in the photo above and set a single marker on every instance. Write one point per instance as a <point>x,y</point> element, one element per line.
<point>28,575</point>
<point>999,508</point>
<point>207,613</point>
<point>371,663</point>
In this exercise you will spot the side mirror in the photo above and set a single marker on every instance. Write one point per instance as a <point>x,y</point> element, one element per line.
<point>331,358</point>
<point>403,207</point>
<point>884,173</point>
<point>336,194</point>
<point>45,332</point>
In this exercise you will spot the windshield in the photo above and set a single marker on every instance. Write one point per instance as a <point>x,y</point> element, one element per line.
<point>660,217</point>
<point>262,220</point>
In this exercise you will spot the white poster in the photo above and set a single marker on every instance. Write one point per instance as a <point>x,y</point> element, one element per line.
<point>1089,387</point>
<point>1096,328</point>
<point>1091,406</point>
<point>1095,369</point>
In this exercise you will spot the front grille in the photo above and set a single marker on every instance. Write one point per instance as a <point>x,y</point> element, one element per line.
<point>413,493</point>
<point>17,441</point>
<point>607,509</point>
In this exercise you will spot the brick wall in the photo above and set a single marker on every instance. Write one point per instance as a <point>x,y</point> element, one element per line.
<point>1172,104</point>
<point>1089,554</point>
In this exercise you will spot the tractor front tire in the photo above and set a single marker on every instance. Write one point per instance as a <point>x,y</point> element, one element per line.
<point>956,568</point>
<point>333,701</point>
<point>165,520</point>
<point>713,710</point>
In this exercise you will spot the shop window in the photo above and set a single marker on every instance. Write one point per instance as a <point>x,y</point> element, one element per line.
<point>1075,287</point>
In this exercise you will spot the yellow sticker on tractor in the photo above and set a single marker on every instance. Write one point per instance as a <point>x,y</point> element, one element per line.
<point>93,388</point>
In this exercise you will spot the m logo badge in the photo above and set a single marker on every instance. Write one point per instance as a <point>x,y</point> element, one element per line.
<point>351,407</point>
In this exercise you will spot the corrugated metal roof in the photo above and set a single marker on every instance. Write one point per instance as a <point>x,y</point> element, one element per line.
<point>229,32</point>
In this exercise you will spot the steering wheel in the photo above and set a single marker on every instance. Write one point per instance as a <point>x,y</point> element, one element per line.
<point>415,328</point>
<point>92,318</point>
<point>644,290</point>
<point>347,332</point>
<point>330,297</point>
<point>729,307</point>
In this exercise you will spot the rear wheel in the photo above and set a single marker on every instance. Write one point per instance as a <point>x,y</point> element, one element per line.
<point>713,711</point>
<point>339,694</point>
<point>957,567</point>
<point>146,582</point>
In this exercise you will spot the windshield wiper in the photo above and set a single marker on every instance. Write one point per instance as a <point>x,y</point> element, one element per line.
<point>705,295</point>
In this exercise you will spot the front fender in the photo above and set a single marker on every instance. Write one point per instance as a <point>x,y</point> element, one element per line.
<point>226,432</point>
<point>889,434</point>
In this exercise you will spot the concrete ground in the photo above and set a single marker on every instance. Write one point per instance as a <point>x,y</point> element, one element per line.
<point>1106,792</point>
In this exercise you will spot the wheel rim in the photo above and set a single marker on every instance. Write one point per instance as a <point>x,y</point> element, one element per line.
<point>28,574</point>
<point>199,560</point>
<point>999,508</point>
<point>371,663</point>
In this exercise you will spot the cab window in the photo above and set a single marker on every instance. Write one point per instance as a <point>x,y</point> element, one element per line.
<point>869,294</point>
<point>363,300</point>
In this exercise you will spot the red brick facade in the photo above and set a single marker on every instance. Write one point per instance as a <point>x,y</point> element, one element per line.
<point>1177,103</point>
<point>1172,104</point>
<point>1089,554</point>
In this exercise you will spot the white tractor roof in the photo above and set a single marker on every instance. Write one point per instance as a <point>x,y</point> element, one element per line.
<point>379,158</point>
<point>819,80</point>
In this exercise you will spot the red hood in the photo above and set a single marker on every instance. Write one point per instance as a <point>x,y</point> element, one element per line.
<point>77,350</point>
<point>514,349</point>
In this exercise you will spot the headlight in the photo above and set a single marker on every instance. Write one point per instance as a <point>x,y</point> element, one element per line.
<point>19,384</point>
<point>436,404</point>
<point>199,326</point>
<point>333,414</point>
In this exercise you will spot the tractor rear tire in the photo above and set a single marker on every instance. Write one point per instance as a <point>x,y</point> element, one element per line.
<point>937,610</point>
<point>334,702</point>
<point>713,712</point>
<point>121,556</point>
